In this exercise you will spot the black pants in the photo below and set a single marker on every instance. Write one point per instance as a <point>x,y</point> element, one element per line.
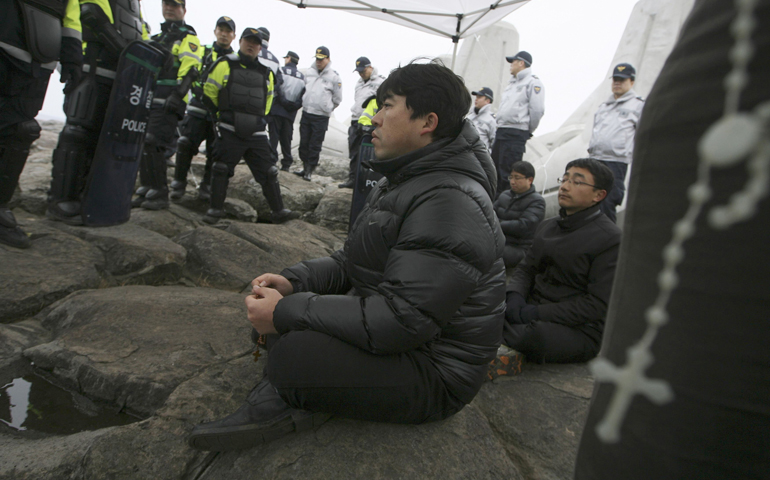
<point>355,135</point>
<point>550,342</point>
<point>196,130</point>
<point>509,147</point>
<point>255,151</point>
<point>161,137</point>
<point>21,98</point>
<point>281,131</point>
<point>312,131</point>
<point>317,372</point>
<point>615,197</point>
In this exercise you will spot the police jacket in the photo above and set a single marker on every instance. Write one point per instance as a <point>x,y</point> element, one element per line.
<point>612,138</point>
<point>292,89</point>
<point>323,91</point>
<point>211,54</point>
<point>523,103</point>
<point>569,269</point>
<point>184,49</point>
<point>242,90</point>
<point>519,215</point>
<point>364,90</point>
<point>370,109</point>
<point>124,19</point>
<point>485,123</point>
<point>422,266</point>
<point>57,37</point>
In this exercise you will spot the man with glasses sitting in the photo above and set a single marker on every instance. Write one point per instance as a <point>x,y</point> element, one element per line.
<point>520,210</point>
<point>557,297</point>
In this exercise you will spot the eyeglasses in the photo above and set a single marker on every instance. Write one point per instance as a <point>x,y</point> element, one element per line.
<point>576,183</point>
<point>515,177</point>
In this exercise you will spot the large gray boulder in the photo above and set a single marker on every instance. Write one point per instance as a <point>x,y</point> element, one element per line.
<point>133,254</point>
<point>297,194</point>
<point>56,265</point>
<point>175,220</point>
<point>132,346</point>
<point>333,211</point>
<point>17,337</point>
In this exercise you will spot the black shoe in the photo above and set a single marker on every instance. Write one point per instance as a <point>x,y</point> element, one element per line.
<point>349,184</point>
<point>177,189</point>
<point>284,215</point>
<point>213,215</point>
<point>66,212</point>
<point>285,168</point>
<point>136,202</point>
<point>14,237</point>
<point>156,200</point>
<point>263,418</point>
<point>307,173</point>
<point>204,192</point>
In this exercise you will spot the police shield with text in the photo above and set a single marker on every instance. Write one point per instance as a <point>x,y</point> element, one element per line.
<point>33,36</point>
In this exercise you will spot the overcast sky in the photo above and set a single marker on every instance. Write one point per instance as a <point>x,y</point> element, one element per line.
<point>572,43</point>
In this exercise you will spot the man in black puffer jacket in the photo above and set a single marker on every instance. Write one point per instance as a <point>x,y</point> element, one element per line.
<point>400,324</point>
<point>520,210</point>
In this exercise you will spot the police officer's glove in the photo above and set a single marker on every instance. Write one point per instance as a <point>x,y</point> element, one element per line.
<point>70,76</point>
<point>174,102</point>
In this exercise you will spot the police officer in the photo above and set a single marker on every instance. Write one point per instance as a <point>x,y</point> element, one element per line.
<point>280,121</point>
<point>31,41</point>
<point>180,42</point>
<point>108,26</point>
<point>241,89</point>
<point>481,116</point>
<point>323,93</point>
<point>612,138</point>
<point>366,86</point>
<point>197,124</point>
<point>521,109</point>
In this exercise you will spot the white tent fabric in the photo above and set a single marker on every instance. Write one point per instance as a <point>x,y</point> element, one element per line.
<point>453,19</point>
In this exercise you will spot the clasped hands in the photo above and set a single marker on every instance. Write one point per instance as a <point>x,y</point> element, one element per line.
<point>518,311</point>
<point>266,291</point>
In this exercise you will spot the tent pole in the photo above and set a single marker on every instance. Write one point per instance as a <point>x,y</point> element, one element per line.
<point>454,57</point>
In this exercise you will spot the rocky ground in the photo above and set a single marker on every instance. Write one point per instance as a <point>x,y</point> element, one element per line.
<point>148,318</point>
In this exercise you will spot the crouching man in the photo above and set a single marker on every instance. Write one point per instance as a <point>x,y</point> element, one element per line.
<point>558,295</point>
<point>400,324</point>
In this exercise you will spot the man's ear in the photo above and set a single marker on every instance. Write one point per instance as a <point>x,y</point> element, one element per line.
<point>430,124</point>
<point>600,195</point>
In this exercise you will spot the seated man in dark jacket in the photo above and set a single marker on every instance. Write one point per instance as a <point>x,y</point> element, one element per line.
<point>520,210</point>
<point>557,298</point>
<point>400,324</point>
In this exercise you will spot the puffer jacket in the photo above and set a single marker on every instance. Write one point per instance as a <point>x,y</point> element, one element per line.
<point>422,265</point>
<point>520,215</point>
<point>323,91</point>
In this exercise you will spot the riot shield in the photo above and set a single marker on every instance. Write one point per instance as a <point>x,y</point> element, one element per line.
<point>366,179</point>
<point>111,179</point>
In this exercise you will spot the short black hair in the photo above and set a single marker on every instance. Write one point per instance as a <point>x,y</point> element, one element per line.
<point>524,168</point>
<point>430,87</point>
<point>603,177</point>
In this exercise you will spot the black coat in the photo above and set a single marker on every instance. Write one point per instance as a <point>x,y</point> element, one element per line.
<point>422,266</point>
<point>520,215</point>
<point>569,269</point>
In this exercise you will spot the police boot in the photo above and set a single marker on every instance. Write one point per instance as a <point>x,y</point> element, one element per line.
<point>350,183</point>
<point>272,191</point>
<point>144,181</point>
<point>13,156</point>
<point>306,175</point>
<point>156,197</point>
<point>220,177</point>
<point>286,163</point>
<point>305,167</point>
<point>10,233</point>
<point>184,156</point>
<point>264,417</point>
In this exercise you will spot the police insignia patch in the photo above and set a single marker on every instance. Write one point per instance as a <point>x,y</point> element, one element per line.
<point>193,47</point>
<point>621,68</point>
<point>537,89</point>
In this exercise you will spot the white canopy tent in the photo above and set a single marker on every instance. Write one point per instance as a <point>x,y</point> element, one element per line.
<point>453,19</point>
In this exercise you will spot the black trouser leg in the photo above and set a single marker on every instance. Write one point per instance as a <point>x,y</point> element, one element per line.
<point>550,342</point>
<point>509,147</point>
<point>615,196</point>
<point>317,372</point>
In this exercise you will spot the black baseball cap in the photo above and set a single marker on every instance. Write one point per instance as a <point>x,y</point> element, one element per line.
<point>321,52</point>
<point>226,21</point>
<point>361,64</point>
<point>253,33</point>
<point>485,91</point>
<point>294,57</point>
<point>624,70</point>
<point>523,56</point>
<point>265,33</point>
<point>175,2</point>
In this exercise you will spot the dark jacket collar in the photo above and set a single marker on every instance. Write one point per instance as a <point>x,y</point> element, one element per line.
<point>444,154</point>
<point>577,220</point>
<point>221,51</point>
<point>522,195</point>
